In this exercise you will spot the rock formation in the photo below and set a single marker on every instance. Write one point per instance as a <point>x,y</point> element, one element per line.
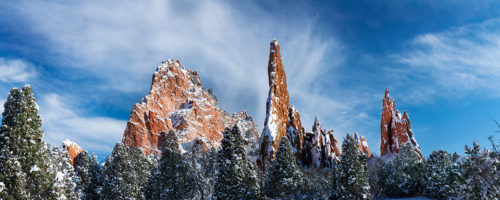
<point>72,148</point>
<point>177,101</point>
<point>316,149</point>
<point>320,147</point>
<point>277,107</point>
<point>395,129</point>
<point>362,144</point>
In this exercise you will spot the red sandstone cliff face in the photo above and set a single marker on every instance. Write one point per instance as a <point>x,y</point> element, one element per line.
<point>362,144</point>
<point>395,129</point>
<point>72,148</point>
<point>177,101</point>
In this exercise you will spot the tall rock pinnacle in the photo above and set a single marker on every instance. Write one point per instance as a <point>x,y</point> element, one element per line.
<point>395,129</point>
<point>177,101</point>
<point>277,105</point>
<point>317,149</point>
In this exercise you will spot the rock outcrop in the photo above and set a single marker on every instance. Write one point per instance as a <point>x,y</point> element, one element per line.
<point>316,149</point>
<point>72,148</point>
<point>362,144</point>
<point>395,129</point>
<point>177,101</point>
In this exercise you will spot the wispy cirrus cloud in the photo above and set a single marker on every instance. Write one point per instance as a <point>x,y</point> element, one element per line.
<point>119,44</point>
<point>454,62</point>
<point>15,70</point>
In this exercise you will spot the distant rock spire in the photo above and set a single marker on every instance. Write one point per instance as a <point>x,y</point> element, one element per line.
<point>395,129</point>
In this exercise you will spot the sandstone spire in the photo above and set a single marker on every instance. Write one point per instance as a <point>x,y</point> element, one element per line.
<point>317,149</point>
<point>395,129</point>
<point>277,106</point>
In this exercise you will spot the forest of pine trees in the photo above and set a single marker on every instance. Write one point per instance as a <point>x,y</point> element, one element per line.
<point>31,169</point>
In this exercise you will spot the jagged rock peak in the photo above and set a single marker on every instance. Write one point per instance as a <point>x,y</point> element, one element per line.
<point>72,148</point>
<point>395,129</point>
<point>177,101</point>
<point>277,107</point>
<point>362,144</point>
<point>320,148</point>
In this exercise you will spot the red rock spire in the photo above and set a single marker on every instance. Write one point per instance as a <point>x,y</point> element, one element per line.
<point>277,106</point>
<point>395,129</point>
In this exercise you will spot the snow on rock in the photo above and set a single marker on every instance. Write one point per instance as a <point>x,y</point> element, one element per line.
<point>395,129</point>
<point>362,144</point>
<point>72,148</point>
<point>176,101</point>
<point>320,147</point>
<point>34,168</point>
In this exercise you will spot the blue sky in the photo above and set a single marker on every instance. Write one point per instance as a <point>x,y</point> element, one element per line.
<point>90,61</point>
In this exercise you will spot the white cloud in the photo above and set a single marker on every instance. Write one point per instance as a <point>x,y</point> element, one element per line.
<point>62,121</point>
<point>2,102</point>
<point>15,70</point>
<point>454,62</point>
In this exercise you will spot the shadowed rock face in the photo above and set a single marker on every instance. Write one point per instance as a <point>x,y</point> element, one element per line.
<point>73,149</point>
<point>395,129</point>
<point>177,101</point>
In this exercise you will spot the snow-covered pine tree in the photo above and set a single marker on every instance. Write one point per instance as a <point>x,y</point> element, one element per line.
<point>481,174</point>
<point>173,180</point>
<point>351,174</point>
<point>202,164</point>
<point>234,178</point>
<point>13,181</point>
<point>21,140</point>
<point>88,171</point>
<point>286,178</point>
<point>402,176</point>
<point>437,180</point>
<point>125,174</point>
<point>65,179</point>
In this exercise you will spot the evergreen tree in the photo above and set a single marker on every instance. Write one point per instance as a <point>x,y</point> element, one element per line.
<point>173,181</point>
<point>64,186</point>
<point>234,177</point>
<point>88,172</point>
<point>21,141</point>
<point>14,181</point>
<point>437,179</point>
<point>126,174</point>
<point>202,164</point>
<point>401,177</point>
<point>481,174</point>
<point>351,174</point>
<point>286,178</point>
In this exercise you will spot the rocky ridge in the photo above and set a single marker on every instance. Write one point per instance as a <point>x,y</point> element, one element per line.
<point>395,129</point>
<point>178,101</point>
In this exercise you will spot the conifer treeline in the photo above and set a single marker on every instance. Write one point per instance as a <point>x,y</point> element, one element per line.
<point>30,169</point>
